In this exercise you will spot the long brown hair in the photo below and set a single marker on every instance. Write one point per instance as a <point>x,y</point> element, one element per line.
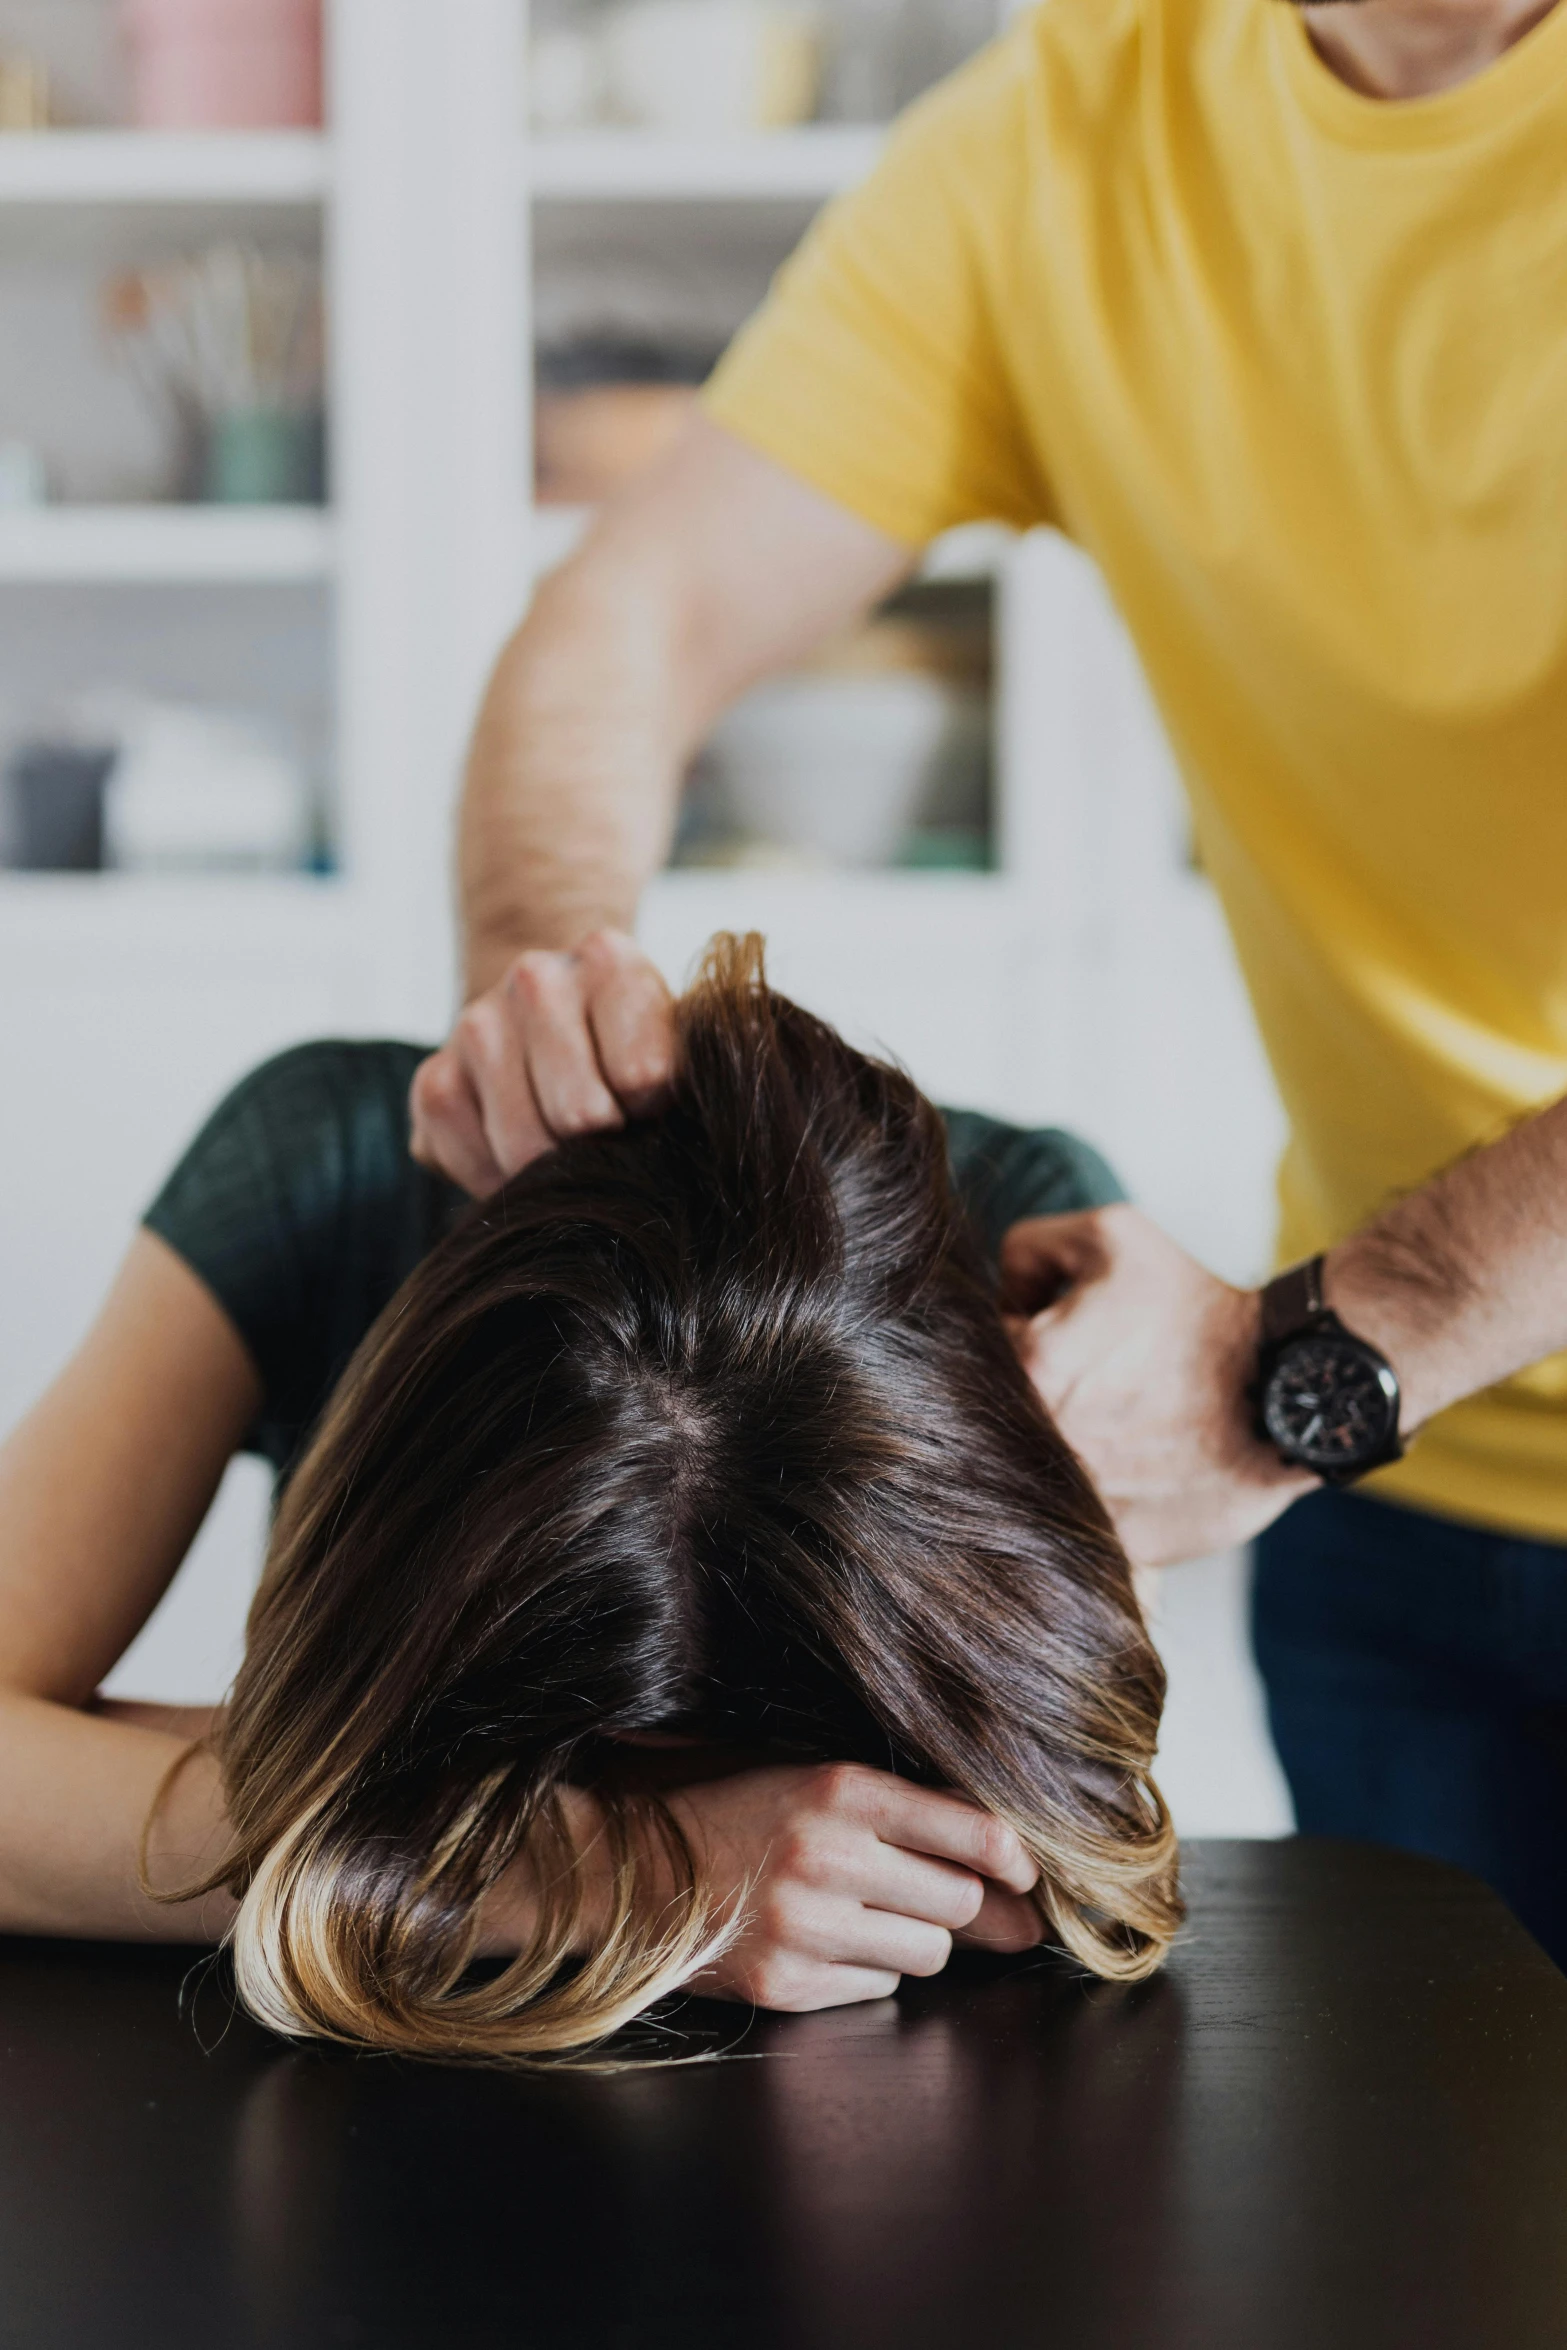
<point>711,1423</point>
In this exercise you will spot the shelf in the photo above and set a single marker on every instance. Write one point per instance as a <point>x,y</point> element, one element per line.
<point>148,544</point>
<point>614,166</point>
<point>977,551</point>
<point>164,167</point>
<point>274,918</point>
<point>897,893</point>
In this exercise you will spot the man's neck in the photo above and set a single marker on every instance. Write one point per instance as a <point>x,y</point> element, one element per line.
<point>1412,48</point>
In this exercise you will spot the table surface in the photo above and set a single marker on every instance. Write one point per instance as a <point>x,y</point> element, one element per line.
<point>1339,2118</point>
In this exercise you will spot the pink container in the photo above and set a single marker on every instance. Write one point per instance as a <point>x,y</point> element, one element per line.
<point>202,65</point>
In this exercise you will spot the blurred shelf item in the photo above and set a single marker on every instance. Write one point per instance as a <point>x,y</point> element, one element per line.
<point>626,166</point>
<point>165,167</point>
<point>166,543</point>
<point>977,551</point>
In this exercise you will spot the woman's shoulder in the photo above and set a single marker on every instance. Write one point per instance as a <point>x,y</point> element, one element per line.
<point>299,1206</point>
<point>329,1081</point>
<point>1004,1173</point>
<point>298,1136</point>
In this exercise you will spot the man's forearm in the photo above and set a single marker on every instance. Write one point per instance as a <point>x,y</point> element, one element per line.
<point>1465,1281</point>
<point>575,769</point>
<point>716,569</point>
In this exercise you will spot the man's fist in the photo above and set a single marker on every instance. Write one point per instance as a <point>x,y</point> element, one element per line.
<point>563,1044</point>
<point>1143,1358</point>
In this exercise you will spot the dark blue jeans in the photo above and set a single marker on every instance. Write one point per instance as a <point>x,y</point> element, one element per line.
<point>1416,1672</point>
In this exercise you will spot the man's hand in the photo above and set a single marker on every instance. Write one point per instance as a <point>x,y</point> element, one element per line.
<point>1143,1359</point>
<point>563,1044</point>
<point>848,1879</point>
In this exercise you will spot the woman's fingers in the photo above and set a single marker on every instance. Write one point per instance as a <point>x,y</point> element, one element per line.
<point>844,1873</point>
<point>1004,1922</point>
<point>885,1876</point>
<point>799,1989</point>
<point>922,1819</point>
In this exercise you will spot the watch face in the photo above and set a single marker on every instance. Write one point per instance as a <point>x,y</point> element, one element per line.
<point>1330,1404</point>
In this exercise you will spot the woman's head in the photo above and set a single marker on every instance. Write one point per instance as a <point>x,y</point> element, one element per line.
<point>708,1426</point>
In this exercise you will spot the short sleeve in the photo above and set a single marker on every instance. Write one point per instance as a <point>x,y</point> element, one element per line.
<point>1004,1173</point>
<point>299,1207</point>
<point>875,369</point>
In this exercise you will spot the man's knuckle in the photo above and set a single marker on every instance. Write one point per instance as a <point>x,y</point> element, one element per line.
<point>604,946</point>
<point>582,1113</point>
<point>437,1087</point>
<point>534,978</point>
<point>476,1026</point>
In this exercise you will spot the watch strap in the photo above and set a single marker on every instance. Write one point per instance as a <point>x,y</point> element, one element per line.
<point>1292,1301</point>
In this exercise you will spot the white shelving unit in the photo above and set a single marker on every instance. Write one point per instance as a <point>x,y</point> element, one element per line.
<point>127,1005</point>
<point>612,166</point>
<point>163,167</point>
<point>427,199</point>
<point>131,545</point>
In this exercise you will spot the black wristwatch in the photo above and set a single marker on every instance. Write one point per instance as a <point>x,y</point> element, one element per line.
<point>1326,1400</point>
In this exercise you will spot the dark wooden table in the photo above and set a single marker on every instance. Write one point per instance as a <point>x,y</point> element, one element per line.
<point>1339,2119</point>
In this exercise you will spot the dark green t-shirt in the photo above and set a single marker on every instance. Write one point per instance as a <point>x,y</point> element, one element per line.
<point>299,1207</point>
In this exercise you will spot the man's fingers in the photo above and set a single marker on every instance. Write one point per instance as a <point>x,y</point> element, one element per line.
<point>564,1044</point>
<point>922,1819</point>
<point>632,1016</point>
<point>545,994</point>
<point>494,1063</point>
<point>446,1131</point>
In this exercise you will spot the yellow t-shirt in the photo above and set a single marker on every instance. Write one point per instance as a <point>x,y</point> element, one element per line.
<point>1291,364</point>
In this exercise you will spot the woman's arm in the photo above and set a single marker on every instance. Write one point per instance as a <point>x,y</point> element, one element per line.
<point>102,1489</point>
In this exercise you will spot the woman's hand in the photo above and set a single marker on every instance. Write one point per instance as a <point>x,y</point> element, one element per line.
<point>847,1879</point>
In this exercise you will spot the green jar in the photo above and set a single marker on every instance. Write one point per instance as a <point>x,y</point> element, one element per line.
<point>266,457</point>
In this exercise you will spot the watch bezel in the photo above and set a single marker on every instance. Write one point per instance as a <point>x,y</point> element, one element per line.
<point>1295,1312</point>
<point>1328,1330</point>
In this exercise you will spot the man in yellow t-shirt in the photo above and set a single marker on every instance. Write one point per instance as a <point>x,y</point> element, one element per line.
<point>1264,307</point>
